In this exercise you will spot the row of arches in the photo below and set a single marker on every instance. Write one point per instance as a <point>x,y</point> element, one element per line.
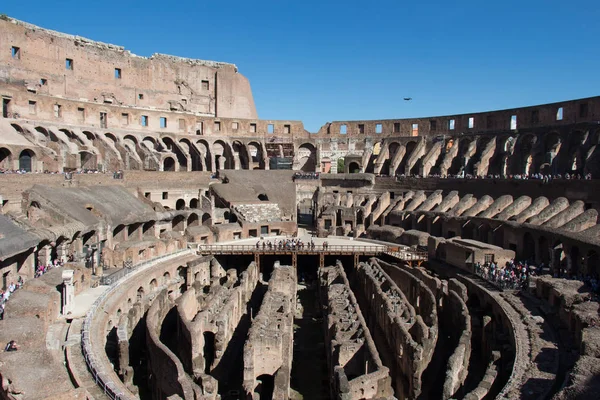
<point>553,152</point>
<point>23,160</point>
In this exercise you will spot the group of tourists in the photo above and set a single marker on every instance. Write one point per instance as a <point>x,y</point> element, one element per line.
<point>306,175</point>
<point>545,178</point>
<point>513,275</point>
<point>5,294</point>
<point>288,244</point>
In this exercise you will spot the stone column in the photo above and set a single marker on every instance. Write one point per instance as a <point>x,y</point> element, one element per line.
<point>68,291</point>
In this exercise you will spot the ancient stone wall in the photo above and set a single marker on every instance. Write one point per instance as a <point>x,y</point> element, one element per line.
<point>355,368</point>
<point>269,348</point>
<point>46,65</point>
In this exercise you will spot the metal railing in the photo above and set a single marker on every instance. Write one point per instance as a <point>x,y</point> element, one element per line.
<point>296,249</point>
<point>401,253</point>
<point>100,376</point>
<point>115,276</point>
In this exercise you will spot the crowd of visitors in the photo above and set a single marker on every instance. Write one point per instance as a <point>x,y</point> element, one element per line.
<point>288,244</point>
<point>306,175</point>
<point>40,270</point>
<point>513,275</point>
<point>68,174</point>
<point>5,294</point>
<point>545,178</point>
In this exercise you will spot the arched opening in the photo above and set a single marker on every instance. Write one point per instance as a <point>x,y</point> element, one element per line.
<point>153,285</point>
<point>575,261</point>
<point>174,148</point>
<point>26,160</point>
<point>592,264</point>
<point>353,168</point>
<point>558,258</point>
<point>484,233</point>
<point>168,164</point>
<point>194,203</point>
<point>263,197</point>
<point>178,223</point>
<point>265,386</point>
<point>180,204</point>
<point>256,155</point>
<point>87,160</point>
<point>544,250</point>
<point>148,228</point>
<point>140,293</point>
<point>119,232</point>
<point>5,158</point>
<point>203,148</point>
<point>498,236</point>
<point>192,220</point>
<point>166,278</point>
<point>206,219</point>
<point>195,154</point>
<point>307,158</point>
<point>240,150</point>
<point>182,273</point>
<point>208,351</point>
<point>410,147</point>
<point>528,247</point>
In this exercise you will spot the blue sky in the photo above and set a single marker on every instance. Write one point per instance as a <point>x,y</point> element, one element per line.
<point>320,61</point>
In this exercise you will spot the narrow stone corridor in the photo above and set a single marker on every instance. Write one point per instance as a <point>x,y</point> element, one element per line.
<point>309,368</point>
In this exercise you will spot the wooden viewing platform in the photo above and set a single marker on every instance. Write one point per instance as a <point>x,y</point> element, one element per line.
<point>407,254</point>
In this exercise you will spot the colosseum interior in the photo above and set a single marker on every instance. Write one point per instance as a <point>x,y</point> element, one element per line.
<point>159,241</point>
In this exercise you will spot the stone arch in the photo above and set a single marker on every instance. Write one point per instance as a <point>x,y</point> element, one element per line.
<point>112,137</point>
<point>528,251</point>
<point>410,148</point>
<point>89,135</point>
<point>195,155</point>
<point>559,257</point>
<point>27,160</point>
<point>498,236</point>
<point>153,284</point>
<point>392,150</point>
<point>256,155</point>
<point>460,164</point>
<point>204,149</point>
<point>353,167</point>
<point>178,223</point>
<point>307,157</point>
<point>140,293</point>
<point>166,277</point>
<point>484,232</point>
<point>169,164</point>
<point>72,137</point>
<point>180,204</point>
<point>222,154</point>
<point>87,160</point>
<point>119,232</point>
<point>572,161</point>
<point>5,158</point>
<point>552,144</point>
<point>242,153</point>
<point>522,161</point>
<point>575,256</point>
<point>147,227</point>
<point>192,220</point>
<point>592,263</point>
<point>151,143</point>
<point>194,203</point>
<point>544,247</point>
<point>206,219</point>
<point>175,149</point>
